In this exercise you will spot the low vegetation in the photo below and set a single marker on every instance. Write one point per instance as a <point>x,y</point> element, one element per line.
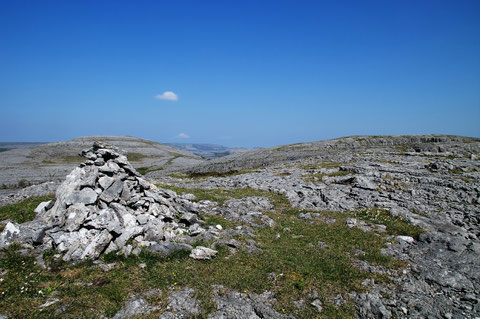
<point>319,176</point>
<point>297,257</point>
<point>22,211</point>
<point>202,175</point>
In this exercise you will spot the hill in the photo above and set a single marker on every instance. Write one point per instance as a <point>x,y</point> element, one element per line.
<point>436,144</point>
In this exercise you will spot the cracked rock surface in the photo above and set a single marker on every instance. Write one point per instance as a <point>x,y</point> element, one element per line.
<point>430,181</point>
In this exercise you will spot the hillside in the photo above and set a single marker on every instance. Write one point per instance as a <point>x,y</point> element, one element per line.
<point>436,144</point>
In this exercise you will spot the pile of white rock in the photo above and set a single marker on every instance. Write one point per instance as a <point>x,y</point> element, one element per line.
<point>105,205</point>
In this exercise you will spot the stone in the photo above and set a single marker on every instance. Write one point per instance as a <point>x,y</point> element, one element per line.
<point>351,222</point>
<point>317,304</point>
<point>105,181</point>
<point>182,304</point>
<point>167,248</point>
<point>107,219</point>
<point>112,193</point>
<point>407,239</point>
<point>85,196</point>
<point>76,215</point>
<point>97,245</point>
<point>203,253</point>
<point>9,234</point>
<point>135,306</point>
<point>232,304</point>
<point>44,206</point>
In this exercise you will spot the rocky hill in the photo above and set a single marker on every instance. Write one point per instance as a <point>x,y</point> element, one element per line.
<point>52,161</point>
<point>436,144</point>
<point>357,227</point>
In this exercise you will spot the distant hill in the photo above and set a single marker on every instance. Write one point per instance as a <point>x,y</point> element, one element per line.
<point>446,144</point>
<point>208,151</point>
<point>6,146</point>
<point>53,161</point>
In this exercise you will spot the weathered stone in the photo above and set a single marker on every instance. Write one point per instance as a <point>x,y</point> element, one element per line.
<point>107,219</point>
<point>167,248</point>
<point>112,193</point>
<point>135,306</point>
<point>105,181</point>
<point>97,245</point>
<point>75,216</point>
<point>44,206</point>
<point>85,196</point>
<point>203,253</point>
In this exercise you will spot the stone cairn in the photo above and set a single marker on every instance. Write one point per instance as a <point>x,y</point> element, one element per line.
<point>105,205</point>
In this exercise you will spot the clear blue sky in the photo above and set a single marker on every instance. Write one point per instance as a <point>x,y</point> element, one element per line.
<point>246,73</point>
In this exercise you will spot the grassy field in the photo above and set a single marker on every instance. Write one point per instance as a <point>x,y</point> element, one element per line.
<point>290,251</point>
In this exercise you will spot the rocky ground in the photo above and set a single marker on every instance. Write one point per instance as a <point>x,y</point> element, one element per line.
<point>308,231</point>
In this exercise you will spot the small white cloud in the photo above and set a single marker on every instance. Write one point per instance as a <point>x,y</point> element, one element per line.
<point>183,135</point>
<point>167,95</point>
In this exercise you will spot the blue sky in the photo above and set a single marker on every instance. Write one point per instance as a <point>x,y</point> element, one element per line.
<point>245,73</point>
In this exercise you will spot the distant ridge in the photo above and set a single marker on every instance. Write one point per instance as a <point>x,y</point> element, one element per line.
<point>208,151</point>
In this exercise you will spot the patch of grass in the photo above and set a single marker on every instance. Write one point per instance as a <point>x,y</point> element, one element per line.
<point>456,170</point>
<point>136,157</point>
<point>202,175</point>
<point>395,225</point>
<point>466,179</point>
<point>220,195</point>
<point>213,220</point>
<point>145,170</point>
<point>22,211</point>
<point>283,174</point>
<point>320,176</point>
<point>142,170</point>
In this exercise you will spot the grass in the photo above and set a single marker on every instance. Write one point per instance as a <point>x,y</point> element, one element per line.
<point>289,250</point>
<point>202,175</point>
<point>136,157</point>
<point>220,195</point>
<point>145,170</point>
<point>22,211</point>
<point>320,176</point>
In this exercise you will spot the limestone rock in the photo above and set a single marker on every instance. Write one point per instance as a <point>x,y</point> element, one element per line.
<point>203,253</point>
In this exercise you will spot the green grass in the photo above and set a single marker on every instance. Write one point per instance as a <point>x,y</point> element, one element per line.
<point>289,250</point>
<point>220,195</point>
<point>136,157</point>
<point>212,174</point>
<point>22,211</point>
<point>145,170</point>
